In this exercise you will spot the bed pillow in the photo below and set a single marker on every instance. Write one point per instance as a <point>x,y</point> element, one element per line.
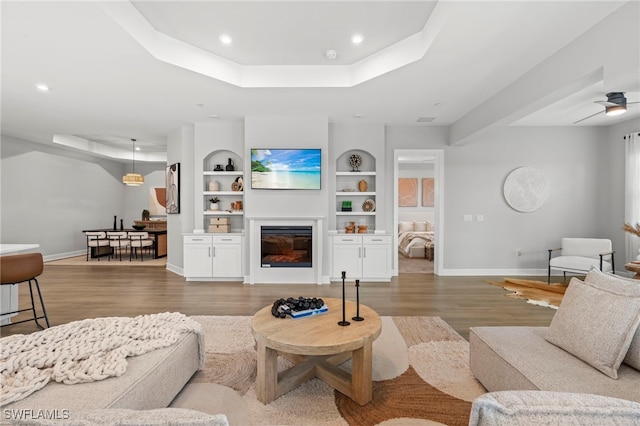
<point>629,286</point>
<point>595,325</point>
<point>420,226</point>
<point>405,227</point>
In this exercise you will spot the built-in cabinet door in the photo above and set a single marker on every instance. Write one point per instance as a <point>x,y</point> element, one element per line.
<point>347,256</point>
<point>376,256</point>
<point>198,260</point>
<point>227,256</point>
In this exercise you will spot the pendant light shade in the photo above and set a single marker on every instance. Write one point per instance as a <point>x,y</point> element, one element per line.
<point>133,178</point>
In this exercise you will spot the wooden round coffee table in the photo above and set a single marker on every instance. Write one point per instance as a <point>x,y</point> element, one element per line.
<point>317,345</point>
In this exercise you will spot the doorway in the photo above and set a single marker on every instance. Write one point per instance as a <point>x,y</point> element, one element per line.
<point>423,163</point>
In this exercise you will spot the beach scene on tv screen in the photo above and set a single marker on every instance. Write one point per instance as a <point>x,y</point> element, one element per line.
<point>285,168</point>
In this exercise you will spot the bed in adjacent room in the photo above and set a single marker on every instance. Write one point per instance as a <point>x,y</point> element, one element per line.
<point>416,239</point>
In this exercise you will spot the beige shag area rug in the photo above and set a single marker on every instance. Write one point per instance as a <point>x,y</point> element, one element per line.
<point>535,292</point>
<point>420,372</point>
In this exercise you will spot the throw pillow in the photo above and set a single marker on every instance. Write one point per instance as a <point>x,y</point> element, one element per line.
<point>595,325</point>
<point>631,287</point>
<point>429,226</point>
<point>420,226</point>
<point>405,227</point>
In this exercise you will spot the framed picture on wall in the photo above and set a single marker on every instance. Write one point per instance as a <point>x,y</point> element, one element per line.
<point>172,179</point>
<point>408,192</point>
<point>427,192</point>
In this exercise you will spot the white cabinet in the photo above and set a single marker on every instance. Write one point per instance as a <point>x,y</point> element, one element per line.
<point>366,257</point>
<point>227,256</point>
<point>212,256</point>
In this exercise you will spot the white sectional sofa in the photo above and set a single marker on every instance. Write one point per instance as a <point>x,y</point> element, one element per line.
<point>595,349</point>
<point>145,390</point>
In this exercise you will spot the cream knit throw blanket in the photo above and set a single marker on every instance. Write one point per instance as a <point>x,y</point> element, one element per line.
<point>85,351</point>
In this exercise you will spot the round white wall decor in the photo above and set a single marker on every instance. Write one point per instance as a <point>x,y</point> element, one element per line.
<point>526,189</point>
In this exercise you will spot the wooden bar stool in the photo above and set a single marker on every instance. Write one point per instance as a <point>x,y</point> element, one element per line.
<point>22,268</point>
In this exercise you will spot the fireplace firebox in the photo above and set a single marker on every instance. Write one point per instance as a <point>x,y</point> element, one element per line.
<point>286,246</point>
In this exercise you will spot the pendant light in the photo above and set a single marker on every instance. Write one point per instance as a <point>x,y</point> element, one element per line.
<point>133,178</point>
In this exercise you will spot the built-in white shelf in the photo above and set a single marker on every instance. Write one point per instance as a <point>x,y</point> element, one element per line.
<point>233,173</point>
<point>223,213</point>
<point>355,213</point>
<point>354,193</point>
<point>355,173</point>
<point>239,193</point>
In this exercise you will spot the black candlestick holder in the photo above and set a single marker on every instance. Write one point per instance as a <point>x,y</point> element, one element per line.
<point>357,317</point>
<point>344,321</point>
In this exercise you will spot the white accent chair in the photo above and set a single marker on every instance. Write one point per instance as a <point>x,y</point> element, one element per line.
<point>118,241</point>
<point>139,240</point>
<point>96,240</point>
<point>580,255</point>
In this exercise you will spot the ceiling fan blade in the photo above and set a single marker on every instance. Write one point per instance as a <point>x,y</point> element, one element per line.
<point>592,115</point>
<point>631,103</point>
<point>606,103</point>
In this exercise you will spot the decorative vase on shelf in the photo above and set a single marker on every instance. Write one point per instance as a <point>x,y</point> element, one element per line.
<point>214,186</point>
<point>214,206</point>
<point>362,185</point>
<point>115,220</point>
<point>121,225</point>
<point>230,167</point>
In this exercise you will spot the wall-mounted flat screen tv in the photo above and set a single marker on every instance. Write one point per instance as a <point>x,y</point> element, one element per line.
<point>286,168</point>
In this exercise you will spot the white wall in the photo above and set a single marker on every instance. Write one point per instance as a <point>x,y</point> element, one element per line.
<point>49,205</point>
<point>49,195</point>
<point>580,164</point>
<point>417,213</point>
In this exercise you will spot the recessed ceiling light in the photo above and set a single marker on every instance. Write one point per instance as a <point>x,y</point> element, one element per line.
<point>216,116</point>
<point>358,115</point>
<point>357,38</point>
<point>437,105</point>
<point>137,148</point>
<point>425,119</point>
<point>43,87</point>
<point>225,39</point>
<point>200,105</point>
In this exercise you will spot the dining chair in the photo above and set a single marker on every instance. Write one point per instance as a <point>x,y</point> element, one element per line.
<point>95,240</point>
<point>139,240</point>
<point>118,240</point>
<point>24,268</point>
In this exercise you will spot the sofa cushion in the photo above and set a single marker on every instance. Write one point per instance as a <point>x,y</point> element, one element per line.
<point>152,380</point>
<point>631,287</point>
<point>546,408</point>
<point>519,358</point>
<point>595,325</point>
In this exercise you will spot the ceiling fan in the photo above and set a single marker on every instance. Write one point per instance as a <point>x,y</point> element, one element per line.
<point>615,104</point>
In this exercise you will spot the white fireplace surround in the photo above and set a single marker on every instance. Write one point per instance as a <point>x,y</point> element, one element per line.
<point>260,275</point>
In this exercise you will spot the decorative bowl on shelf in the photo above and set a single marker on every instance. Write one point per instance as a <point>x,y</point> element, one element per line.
<point>369,205</point>
<point>139,227</point>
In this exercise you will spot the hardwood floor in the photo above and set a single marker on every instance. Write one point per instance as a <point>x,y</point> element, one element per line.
<point>78,292</point>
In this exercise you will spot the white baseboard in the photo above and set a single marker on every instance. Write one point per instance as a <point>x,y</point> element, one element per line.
<point>175,269</point>
<point>490,272</point>
<point>59,256</point>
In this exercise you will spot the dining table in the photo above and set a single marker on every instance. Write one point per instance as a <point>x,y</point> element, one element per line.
<point>159,237</point>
